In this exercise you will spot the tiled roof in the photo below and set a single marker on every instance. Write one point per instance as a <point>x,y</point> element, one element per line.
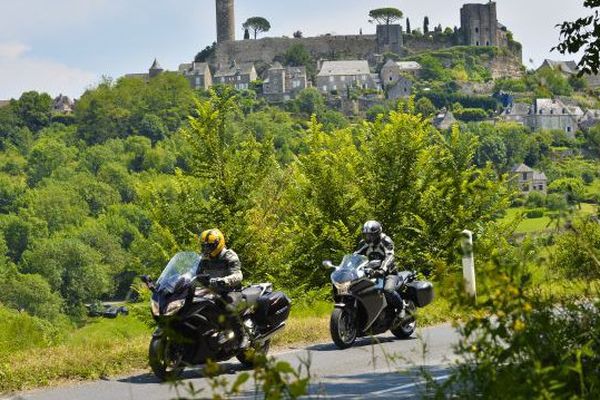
<point>155,65</point>
<point>522,168</point>
<point>556,107</point>
<point>539,176</point>
<point>242,69</point>
<point>408,65</point>
<point>351,67</point>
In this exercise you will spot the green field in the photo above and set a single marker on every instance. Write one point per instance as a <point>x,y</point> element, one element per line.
<point>532,225</point>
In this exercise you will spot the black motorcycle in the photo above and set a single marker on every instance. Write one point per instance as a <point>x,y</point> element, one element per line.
<point>361,308</point>
<point>197,323</point>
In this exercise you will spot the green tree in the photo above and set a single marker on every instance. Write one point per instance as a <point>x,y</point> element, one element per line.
<point>46,156</point>
<point>310,101</point>
<point>385,16</point>
<point>583,34</point>
<point>34,109</point>
<point>425,107</point>
<point>72,268</point>
<point>257,24</point>
<point>30,293</point>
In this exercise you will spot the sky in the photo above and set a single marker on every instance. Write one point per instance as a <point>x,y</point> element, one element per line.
<point>67,46</point>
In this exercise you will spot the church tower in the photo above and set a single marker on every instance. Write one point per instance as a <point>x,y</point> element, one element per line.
<point>225,20</point>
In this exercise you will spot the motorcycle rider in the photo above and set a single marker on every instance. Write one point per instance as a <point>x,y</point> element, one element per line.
<point>220,263</point>
<point>376,245</point>
<point>225,271</point>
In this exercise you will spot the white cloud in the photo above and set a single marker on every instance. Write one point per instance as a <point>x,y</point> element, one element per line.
<point>21,73</point>
<point>12,50</point>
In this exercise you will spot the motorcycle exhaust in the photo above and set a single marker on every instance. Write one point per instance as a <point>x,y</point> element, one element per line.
<point>269,334</point>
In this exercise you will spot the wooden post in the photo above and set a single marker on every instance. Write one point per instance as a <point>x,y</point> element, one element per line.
<point>468,262</point>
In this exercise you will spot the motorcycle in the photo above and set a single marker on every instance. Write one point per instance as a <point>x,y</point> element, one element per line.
<point>361,308</point>
<point>197,323</point>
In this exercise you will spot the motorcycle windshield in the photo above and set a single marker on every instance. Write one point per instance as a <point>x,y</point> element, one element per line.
<point>178,272</point>
<point>349,268</point>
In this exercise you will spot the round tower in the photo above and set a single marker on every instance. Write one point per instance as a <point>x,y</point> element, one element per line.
<point>225,20</point>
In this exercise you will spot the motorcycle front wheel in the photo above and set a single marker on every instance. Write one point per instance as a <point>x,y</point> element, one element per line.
<point>342,326</point>
<point>164,363</point>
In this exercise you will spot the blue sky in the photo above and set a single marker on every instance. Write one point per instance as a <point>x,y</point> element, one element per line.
<point>64,46</point>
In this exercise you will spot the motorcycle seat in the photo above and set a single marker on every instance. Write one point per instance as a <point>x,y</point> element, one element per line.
<point>251,294</point>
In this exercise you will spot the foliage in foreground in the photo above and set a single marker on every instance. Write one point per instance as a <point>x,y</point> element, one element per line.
<point>526,343</point>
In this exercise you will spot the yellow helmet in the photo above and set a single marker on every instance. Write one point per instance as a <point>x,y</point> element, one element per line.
<point>212,242</point>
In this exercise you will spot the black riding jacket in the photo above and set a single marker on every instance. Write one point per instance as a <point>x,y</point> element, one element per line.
<point>226,265</point>
<point>384,251</point>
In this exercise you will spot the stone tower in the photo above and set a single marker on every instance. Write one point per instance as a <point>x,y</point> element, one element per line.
<point>225,20</point>
<point>479,25</point>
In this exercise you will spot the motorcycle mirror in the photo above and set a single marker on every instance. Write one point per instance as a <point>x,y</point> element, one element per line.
<point>328,264</point>
<point>148,281</point>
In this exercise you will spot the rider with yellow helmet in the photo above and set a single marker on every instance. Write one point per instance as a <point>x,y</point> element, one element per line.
<point>220,263</point>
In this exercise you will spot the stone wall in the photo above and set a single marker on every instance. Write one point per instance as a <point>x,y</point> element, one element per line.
<point>322,47</point>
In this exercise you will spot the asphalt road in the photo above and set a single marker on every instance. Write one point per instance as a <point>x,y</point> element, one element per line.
<point>380,368</point>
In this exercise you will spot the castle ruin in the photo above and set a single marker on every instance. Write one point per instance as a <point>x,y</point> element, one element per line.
<point>225,20</point>
<point>479,27</point>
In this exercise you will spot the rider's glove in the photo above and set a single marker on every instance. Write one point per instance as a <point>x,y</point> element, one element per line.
<point>217,282</point>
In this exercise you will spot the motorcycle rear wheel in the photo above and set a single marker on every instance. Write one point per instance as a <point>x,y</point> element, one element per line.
<point>246,356</point>
<point>159,356</point>
<point>407,326</point>
<point>342,326</point>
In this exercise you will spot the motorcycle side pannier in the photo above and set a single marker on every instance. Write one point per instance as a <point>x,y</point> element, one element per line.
<point>420,292</point>
<point>273,308</point>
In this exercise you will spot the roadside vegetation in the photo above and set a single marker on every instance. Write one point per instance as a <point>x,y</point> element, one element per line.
<point>91,200</point>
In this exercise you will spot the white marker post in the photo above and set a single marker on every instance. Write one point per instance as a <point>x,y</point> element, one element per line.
<point>468,262</point>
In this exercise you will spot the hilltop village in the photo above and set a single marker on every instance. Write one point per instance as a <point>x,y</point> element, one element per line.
<point>471,72</point>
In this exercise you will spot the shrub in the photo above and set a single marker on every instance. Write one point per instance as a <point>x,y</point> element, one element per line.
<point>536,200</point>
<point>536,213</point>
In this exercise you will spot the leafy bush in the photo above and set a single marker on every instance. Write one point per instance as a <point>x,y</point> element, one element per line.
<point>471,114</point>
<point>536,199</point>
<point>537,213</point>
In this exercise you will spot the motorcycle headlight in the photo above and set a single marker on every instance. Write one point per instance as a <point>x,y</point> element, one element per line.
<point>174,306</point>
<point>154,307</point>
<point>342,288</point>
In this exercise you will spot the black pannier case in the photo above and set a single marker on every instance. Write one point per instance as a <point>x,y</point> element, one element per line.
<point>272,309</point>
<point>420,292</point>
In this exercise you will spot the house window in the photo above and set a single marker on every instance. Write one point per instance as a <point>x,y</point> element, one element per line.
<point>568,129</point>
<point>391,78</point>
<point>343,79</point>
<point>197,82</point>
<point>477,43</point>
<point>487,43</point>
<point>551,111</point>
<point>331,79</point>
<point>524,176</point>
<point>325,88</point>
<point>239,78</point>
<point>476,30</point>
<point>334,87</point>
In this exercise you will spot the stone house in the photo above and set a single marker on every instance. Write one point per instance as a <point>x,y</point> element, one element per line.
<point>402,88</point>
<point>553,114</point>
<point>444,120</point>
<point>284,83</point>
<point>338,76</point>
<point>154,70</point>
<point>568,68</point>
<point>529,180</point>
<point>393,70</point>
<point>198,74</point>
<point>63,104</point>
<point>547,114</point>
<point>238,76</point>
<point>480,27</point>
<point>589,119</point>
